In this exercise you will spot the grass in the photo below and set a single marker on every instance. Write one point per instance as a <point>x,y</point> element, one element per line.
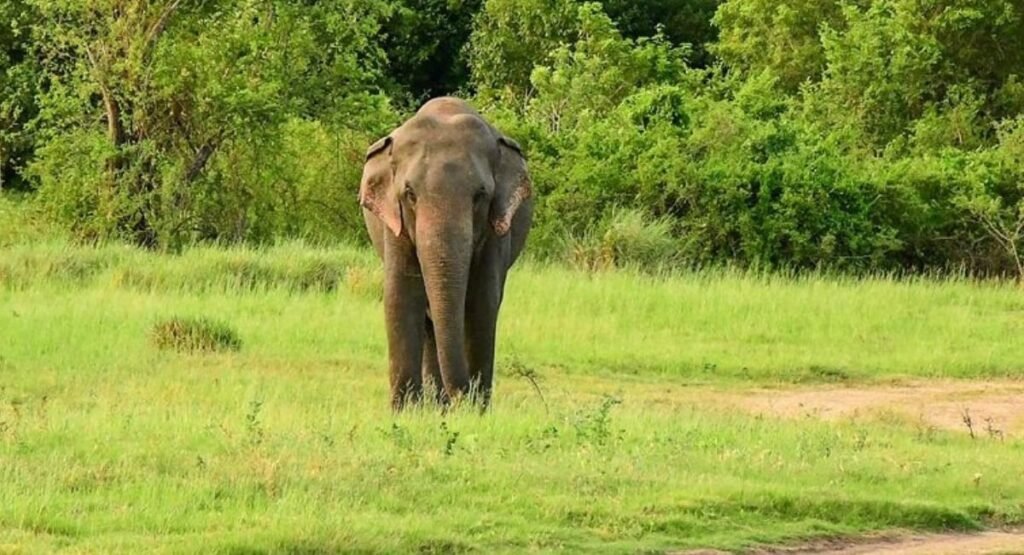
<point>109,444</point>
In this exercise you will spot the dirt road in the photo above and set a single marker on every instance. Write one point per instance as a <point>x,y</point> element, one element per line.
<point>993,409</point>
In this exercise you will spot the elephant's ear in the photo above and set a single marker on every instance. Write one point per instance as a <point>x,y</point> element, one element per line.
<point>512,185</point>
<point>376,192</point>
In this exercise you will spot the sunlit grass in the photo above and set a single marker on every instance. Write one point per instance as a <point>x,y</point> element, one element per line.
<point>704,326</point>
<point>110,444</point>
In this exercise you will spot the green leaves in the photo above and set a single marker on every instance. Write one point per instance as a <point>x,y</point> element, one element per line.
<point>858,134</point>
<point>178,89</point>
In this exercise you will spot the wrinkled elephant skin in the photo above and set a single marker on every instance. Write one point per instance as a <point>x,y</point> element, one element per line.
<point>448,205</point>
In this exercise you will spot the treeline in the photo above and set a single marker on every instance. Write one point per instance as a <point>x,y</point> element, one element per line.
<point>859,135</point>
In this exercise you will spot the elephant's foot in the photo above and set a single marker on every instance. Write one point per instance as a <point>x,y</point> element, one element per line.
<point>406,393</point>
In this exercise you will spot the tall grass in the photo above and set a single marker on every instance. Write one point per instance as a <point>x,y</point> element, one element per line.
<point>21,222</point>
<point>701,325</point>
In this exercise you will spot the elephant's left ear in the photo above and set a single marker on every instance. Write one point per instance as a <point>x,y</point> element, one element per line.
<point>512,185</point>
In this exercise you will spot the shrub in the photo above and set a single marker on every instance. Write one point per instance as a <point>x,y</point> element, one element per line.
<point>194,335</point>
<point>627,238</point>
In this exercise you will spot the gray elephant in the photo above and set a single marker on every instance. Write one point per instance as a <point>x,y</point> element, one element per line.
<point>447,203</point>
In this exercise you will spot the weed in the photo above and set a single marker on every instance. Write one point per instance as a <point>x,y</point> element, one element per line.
<point>595,426</point>
<point>516,368</point>
<point>398,435</point>
<point>253,426</point>
<point>546,440</point>
<point>450,438</point>
<point>965,416</point>
<point>993,432</point>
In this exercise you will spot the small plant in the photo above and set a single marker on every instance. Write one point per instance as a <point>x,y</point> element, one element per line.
<point>596,426</point>
<point>398,435</point>
<point>194,335</point>
<point>993,432</point>
<point>450,439</point>
<point>253,426</point>
<point>965,415</point>
<point>546,440</point>
<point>517,368</point>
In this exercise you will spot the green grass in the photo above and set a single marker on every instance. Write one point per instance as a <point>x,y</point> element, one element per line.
<point>108,443</point>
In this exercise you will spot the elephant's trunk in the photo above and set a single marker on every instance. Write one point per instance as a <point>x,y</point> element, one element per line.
<point>445,261</point>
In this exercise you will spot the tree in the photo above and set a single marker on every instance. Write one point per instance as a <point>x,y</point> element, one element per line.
<point>18,79</point>
<point>900,67</point>
<point>995,195</point>
<point>782,38</point>
<point>425,43</point>
<point>680,21</point>
<point>510,37</point>
<point>175,84</point>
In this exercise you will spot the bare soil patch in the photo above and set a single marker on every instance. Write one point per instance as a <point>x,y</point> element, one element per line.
<point>988,408</point>
<point>985,543</point>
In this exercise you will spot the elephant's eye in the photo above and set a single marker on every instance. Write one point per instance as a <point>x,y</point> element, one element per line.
<point>480,195</point>
<point>409,194</point>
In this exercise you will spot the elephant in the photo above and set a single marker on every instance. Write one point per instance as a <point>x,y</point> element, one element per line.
<point>448,204</point>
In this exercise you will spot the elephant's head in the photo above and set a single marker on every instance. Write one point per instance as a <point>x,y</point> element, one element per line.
<point>456,170</point>
<point>447,182</point>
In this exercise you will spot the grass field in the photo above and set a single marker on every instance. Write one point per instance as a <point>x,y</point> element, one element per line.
<point>108,443</point>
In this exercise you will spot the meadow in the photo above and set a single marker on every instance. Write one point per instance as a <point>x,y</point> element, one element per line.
<point>192,345</point>
<point>604,436</point>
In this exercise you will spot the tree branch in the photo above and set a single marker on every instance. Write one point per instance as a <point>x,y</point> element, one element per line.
<point>159,25</point>
<point>199,162</point>
<point>113,110</point>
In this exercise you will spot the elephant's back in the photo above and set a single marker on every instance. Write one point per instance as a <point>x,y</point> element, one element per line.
<point>446,106</point>
<point>451,114</point>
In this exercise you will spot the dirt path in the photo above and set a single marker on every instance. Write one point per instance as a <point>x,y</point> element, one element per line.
<point>986,543</point>
<point>989,408</point>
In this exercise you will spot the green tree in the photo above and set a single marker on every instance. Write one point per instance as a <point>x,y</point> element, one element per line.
<point>510,37</point>
<point>586,120</point>
<point>18,81</point>
<point>782,38</point>
<point>143,96</point>
<point>680,21</point>
<point>898,61</point>
<point>425,42</point>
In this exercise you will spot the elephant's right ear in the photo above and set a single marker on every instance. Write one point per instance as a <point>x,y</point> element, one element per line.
<point>376,192</point>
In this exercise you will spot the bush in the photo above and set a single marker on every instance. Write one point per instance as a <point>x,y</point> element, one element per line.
<point>194,335</point>
<point>22,221</point>
<point>203,132</point>
<point>627,238</point>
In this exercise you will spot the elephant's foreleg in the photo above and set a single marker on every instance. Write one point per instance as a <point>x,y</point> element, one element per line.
<point>432,380</point>
<point>481,330</point>
<point>404,306</point>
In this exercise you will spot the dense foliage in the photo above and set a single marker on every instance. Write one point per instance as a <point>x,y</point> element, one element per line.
<point>853,134</point>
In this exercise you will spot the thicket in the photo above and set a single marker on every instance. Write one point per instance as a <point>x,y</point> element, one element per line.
<point>859,135</point>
